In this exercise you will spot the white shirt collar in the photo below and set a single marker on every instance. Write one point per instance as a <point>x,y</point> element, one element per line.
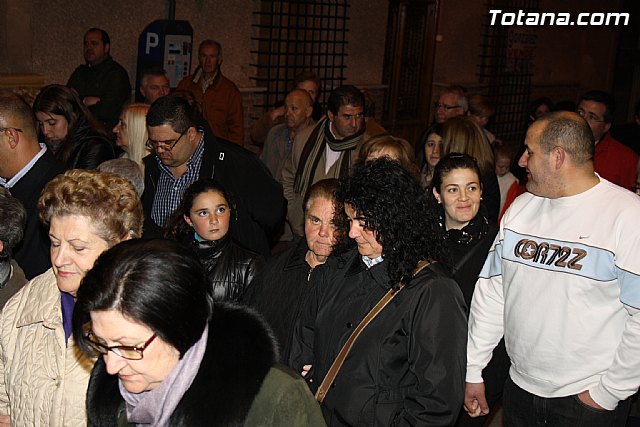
<point>10,183</point>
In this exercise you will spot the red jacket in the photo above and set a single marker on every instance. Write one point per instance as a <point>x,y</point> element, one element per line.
<point>615,162</point>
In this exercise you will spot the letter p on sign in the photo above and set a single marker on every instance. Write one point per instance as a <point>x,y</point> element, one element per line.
<point>152,41</point>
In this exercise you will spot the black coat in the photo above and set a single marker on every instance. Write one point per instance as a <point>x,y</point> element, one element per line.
<point>280,293</point>
<point>32,254</point>
<point>260,205</point>
<point>240,352</point>
<point>407,367</point>
<point>230,268</point>
<point>107,80</point>
<point>468,249</point>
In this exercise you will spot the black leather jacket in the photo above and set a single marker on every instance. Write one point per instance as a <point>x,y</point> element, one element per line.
<point>88,148</point>
<point>230,268</point>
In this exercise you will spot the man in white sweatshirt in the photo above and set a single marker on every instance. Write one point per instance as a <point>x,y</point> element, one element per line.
<point>562,283</point>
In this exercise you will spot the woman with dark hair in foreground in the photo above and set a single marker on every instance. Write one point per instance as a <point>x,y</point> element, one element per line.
<point>407,367</point>
<point>457,191</point>
<point>168,357</point>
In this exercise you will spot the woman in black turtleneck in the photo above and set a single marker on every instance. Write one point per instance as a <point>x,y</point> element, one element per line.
<point>202,221</point>
<point>469,235</point>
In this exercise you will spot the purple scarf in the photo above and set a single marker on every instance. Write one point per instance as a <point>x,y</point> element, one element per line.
<point>68,302</point>
<point>155,407</point>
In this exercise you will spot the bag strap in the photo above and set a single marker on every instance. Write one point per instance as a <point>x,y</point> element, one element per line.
<point>323,389</point>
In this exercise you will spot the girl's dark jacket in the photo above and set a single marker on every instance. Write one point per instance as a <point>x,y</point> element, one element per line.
<point>230,268</point>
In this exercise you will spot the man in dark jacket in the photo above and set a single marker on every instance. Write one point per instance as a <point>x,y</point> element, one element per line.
<point>183,152</point>
<point>25,168</point>
<point>102,83</point>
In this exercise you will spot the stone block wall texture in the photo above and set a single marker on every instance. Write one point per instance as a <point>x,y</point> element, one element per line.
<point>54,36</point>
<point>45,37</point>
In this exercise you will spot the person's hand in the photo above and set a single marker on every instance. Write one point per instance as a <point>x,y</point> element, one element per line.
<point>275,113</point>
<point>585,398</point>
<point>305,371</point>
<point>5,421</point>
<point>475,402</point>
<point>91,100</point>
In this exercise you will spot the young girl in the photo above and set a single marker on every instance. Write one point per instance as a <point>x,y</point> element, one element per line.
<point>202,221</point>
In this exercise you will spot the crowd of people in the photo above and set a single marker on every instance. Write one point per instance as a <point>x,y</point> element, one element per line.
<point>417,283</point>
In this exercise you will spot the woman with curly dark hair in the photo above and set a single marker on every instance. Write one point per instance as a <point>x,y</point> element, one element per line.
<point>407,366</point>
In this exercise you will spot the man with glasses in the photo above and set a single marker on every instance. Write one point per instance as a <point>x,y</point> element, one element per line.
<point>452,102</point>
<point>613,161</point>
<point>183,152</point>
<point>326,150</point>
<point>25,168</point>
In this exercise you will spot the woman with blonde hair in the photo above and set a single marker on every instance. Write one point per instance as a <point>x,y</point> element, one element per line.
<point>131,132</point>
<point>463,135</point>
<point>43,375</point>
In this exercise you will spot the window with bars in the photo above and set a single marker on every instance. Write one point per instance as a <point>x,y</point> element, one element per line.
<point>404,58</point>
<point>297,35</point>
<point>506,67</point>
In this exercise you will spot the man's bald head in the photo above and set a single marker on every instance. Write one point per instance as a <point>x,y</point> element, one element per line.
<point>16,113</point>
<point>302,96</point>
<point>569,131</point>
<point>298,108</point>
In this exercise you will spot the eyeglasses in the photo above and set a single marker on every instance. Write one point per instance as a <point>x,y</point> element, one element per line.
<point>590,117</point>
<point>7,128</point>
<point>438,106</point>
<point>129,352</point>
<point>166,145</point>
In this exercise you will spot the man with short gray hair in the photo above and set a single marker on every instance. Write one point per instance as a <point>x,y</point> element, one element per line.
<point>218,96</point>
<point>452,102</point>
<point>127,169</point>
<point>298,108</point>
<point>562,284</point>
<point>154,84</point>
